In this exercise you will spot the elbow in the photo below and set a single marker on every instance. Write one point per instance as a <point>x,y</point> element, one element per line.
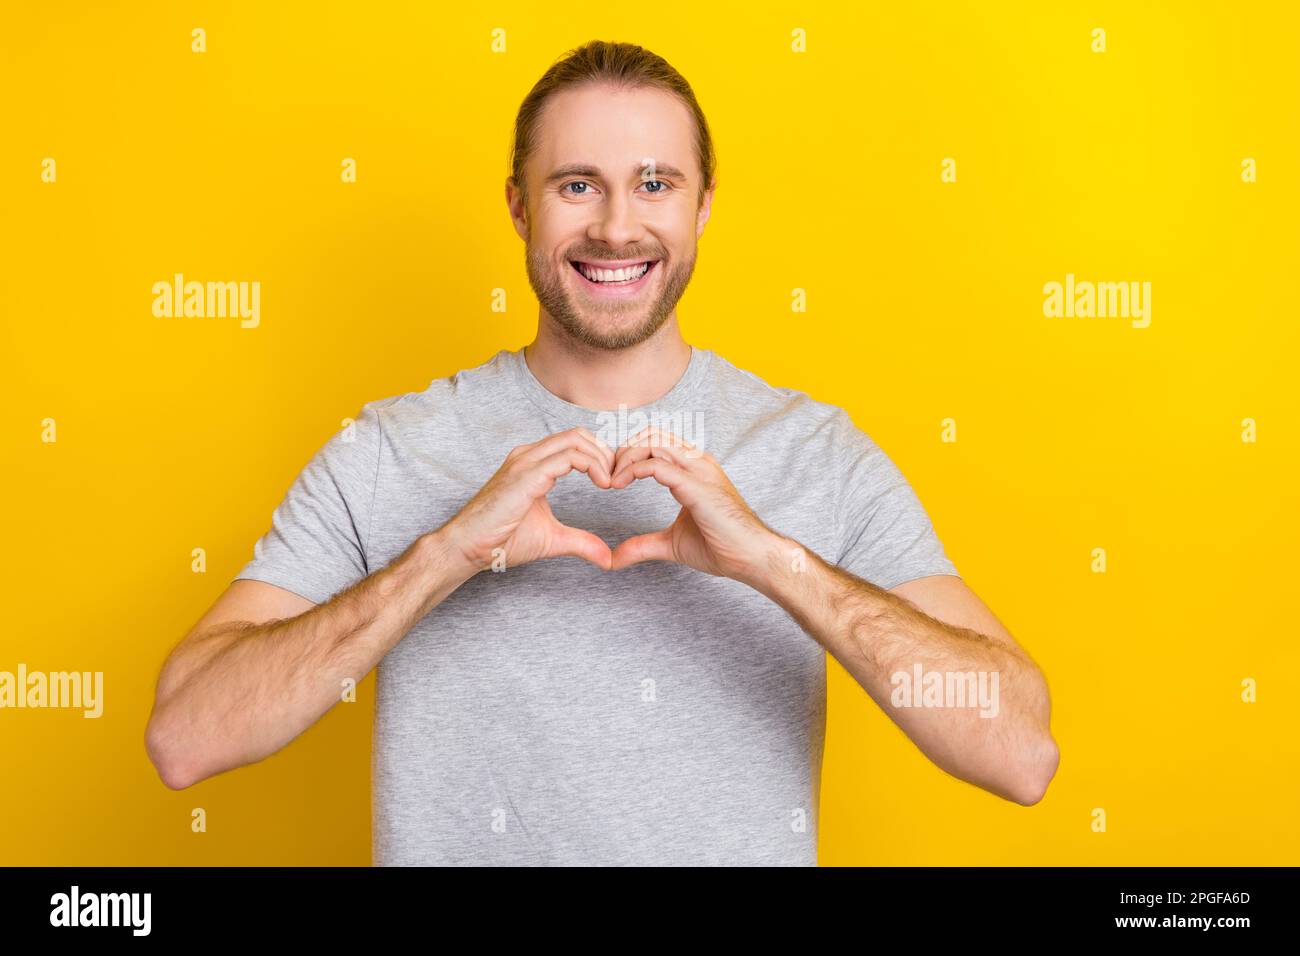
<point>174,771</point>
<point>1037,774</point>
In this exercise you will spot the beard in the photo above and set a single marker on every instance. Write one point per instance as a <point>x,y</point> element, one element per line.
<point>606,325</point>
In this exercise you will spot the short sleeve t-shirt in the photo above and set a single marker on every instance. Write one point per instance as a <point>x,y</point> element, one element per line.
<point>558,714</point>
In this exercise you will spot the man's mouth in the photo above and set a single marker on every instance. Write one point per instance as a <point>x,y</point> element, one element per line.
<point>614,274</point>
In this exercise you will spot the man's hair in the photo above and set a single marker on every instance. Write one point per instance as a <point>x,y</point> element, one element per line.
<point>626,66</point>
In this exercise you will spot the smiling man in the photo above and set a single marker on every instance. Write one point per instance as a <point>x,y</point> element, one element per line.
<point>597,643</point>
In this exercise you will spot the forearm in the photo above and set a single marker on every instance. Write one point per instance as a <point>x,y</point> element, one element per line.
<point>1000,740</point>
<point>247,690</point>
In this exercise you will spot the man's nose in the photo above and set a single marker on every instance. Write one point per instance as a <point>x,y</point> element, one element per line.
<point>618,223</point>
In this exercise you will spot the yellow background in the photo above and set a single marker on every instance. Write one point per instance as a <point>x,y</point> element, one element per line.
<point>924,303</point>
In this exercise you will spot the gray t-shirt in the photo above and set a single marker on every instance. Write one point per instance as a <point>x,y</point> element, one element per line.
<point>557,714</point>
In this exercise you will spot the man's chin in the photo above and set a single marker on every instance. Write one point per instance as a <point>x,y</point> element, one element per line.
<point>610,332</point>
<point>606,322</point>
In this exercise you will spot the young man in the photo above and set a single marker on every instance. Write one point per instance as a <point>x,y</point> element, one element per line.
<point>600,668</point>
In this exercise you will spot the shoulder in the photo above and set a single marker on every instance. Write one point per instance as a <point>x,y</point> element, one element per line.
<point>393,422</point>
<point>786,409</point>
<point>442,397</point>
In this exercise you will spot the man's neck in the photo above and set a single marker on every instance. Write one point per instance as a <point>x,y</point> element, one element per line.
<point>605,379</point>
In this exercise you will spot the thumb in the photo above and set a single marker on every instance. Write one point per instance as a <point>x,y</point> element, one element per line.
<point>579,544</point>
<point>655,546</point>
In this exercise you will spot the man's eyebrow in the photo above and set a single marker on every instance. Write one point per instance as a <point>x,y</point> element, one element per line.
<point>660,171</point>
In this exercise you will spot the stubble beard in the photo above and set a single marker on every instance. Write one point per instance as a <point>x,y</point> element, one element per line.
<point>587,326</point>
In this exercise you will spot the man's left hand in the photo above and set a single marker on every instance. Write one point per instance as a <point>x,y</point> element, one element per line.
<point>715,532</point>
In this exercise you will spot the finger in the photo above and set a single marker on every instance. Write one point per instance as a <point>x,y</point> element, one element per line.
<point>580,438</point>
<point>580,544</point>
<point>601,450</point>
<point>629,455</point>
<point>676,480</point>
<point>594,464</point>
<point>663,444</point>
<point>543,474</point>
<point>600,443</point>
<point>597,449</point>
<point>626,457</point>
<point>655,546</point>
<point>570,438</point>
<point>653,434</point>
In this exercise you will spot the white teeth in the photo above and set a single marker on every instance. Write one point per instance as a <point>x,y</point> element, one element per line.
<point>631,273</point>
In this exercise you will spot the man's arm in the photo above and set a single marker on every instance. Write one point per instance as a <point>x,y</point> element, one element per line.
<point>245,681</point>
<point>874,633</point>
<point>1002,743</point>
<point>264,664</point>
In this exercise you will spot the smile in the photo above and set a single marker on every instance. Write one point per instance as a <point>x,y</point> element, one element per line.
<point>614,276</point>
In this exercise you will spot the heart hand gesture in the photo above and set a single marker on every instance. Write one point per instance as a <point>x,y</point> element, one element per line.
<point>509,521</point>
<point>715,532</point>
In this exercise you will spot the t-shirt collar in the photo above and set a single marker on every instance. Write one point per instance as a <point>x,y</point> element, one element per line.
<point>564,414</point>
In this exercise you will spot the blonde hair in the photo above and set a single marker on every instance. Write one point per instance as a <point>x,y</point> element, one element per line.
<point>625,65</point>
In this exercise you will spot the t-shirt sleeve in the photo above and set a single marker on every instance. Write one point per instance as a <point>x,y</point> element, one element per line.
<point>886,536</point>
<point>316,545</point>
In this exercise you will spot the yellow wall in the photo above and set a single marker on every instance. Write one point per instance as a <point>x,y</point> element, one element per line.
<point>925,302</point>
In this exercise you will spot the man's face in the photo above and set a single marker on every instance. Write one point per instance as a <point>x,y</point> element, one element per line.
<point>613,184</point>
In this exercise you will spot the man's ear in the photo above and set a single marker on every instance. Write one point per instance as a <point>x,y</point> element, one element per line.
<point>706,206</point>
<point>518,208</point>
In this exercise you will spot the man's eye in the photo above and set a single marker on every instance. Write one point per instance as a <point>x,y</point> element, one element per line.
<point>583,185</point>
<point>660,182</point>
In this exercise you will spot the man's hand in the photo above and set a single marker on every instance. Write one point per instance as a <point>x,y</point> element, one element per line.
<point>715,532</point>
<point>511,512</point>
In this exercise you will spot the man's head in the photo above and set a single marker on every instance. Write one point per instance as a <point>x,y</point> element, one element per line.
<point>612,166</point>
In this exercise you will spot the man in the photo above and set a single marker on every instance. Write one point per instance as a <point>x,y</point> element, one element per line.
<point>599,668</point>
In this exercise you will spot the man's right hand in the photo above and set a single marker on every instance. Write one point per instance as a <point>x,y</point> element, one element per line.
<point>511,512</point>
<point>282,659</point>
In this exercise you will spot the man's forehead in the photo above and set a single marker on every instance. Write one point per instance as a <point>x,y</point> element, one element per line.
<point>618,132</point>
